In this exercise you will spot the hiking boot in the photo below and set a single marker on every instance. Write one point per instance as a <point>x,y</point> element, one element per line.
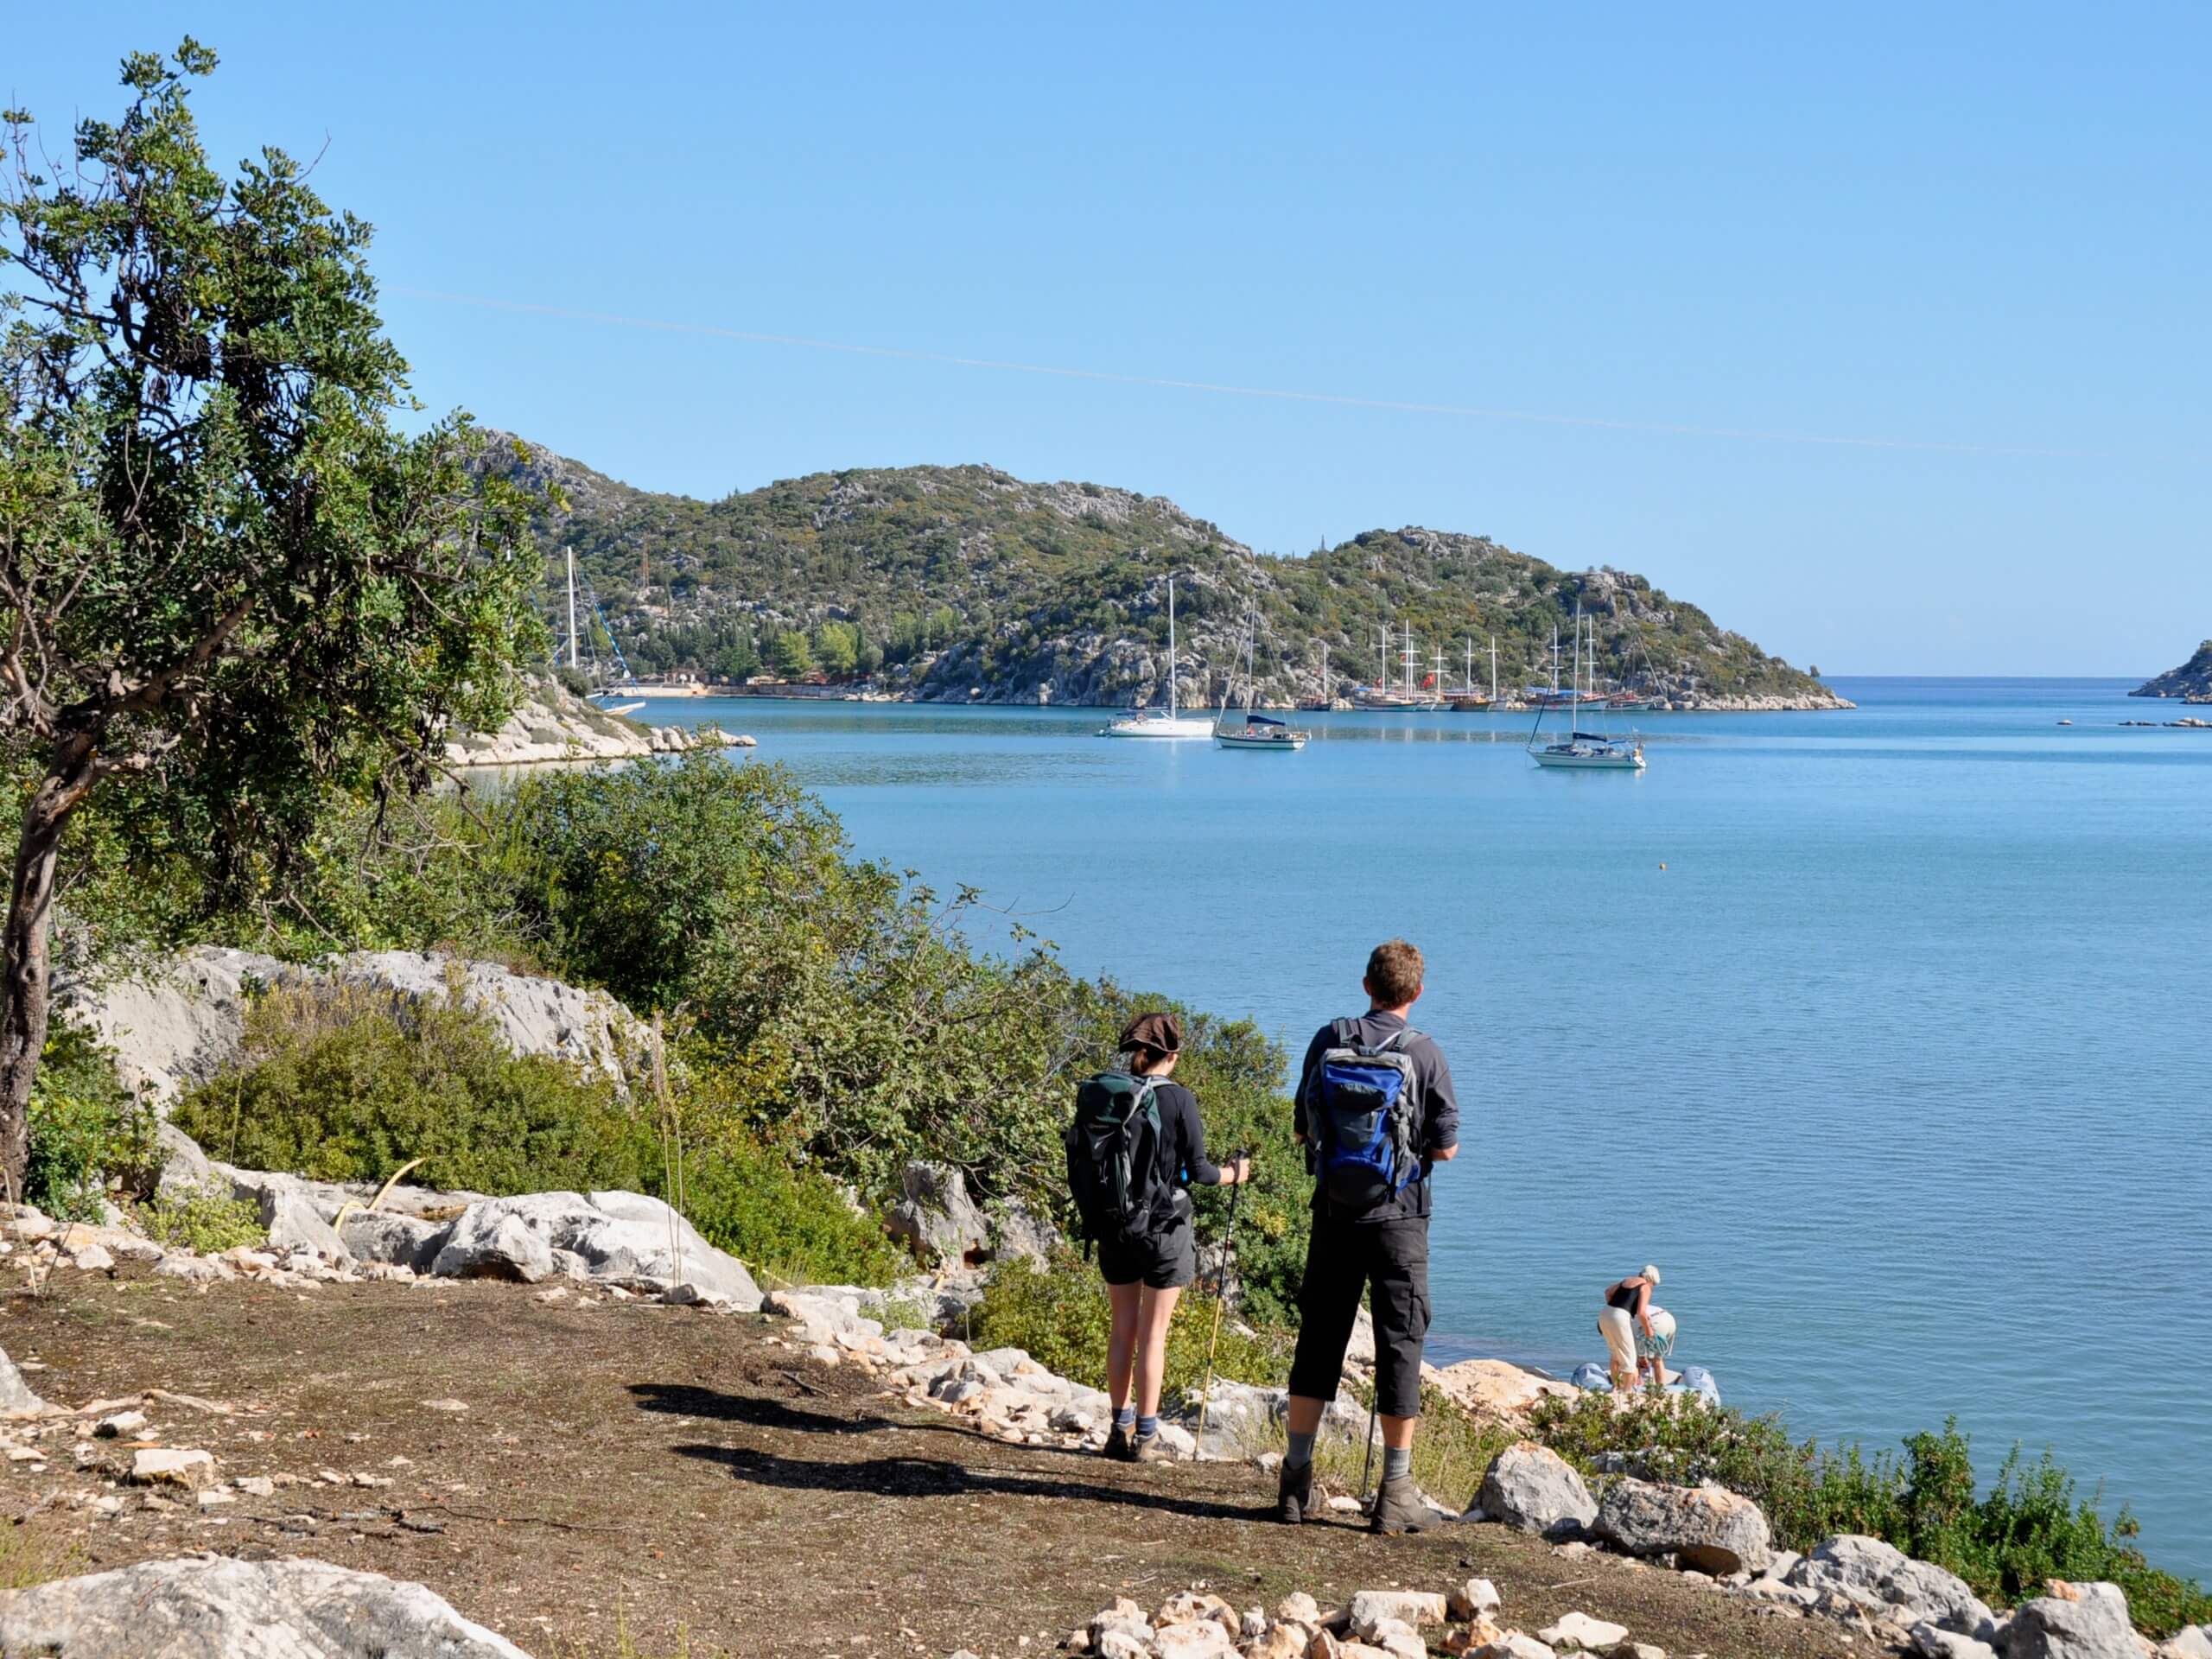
<point>1294,1494</point>
<point>1119,1446</point>
<point>1151,1449</point>
<point>1399,1507</point>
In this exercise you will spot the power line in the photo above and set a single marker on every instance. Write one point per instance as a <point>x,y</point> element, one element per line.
<point>1217,388</point>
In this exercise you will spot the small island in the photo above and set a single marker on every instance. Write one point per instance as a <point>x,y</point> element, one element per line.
<point>2191,682</point>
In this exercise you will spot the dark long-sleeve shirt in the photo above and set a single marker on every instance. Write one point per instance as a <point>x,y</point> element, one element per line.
<point>1182,1156</point>
<point>1433,1099</point>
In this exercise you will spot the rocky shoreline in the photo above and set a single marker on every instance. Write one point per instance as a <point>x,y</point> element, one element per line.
<point>554,726</point>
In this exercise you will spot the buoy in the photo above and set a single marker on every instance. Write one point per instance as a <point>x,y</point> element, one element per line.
<point>1662,865</point>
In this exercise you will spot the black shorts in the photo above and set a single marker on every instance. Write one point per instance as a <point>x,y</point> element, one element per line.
<point>1343,1259</point>
<point>1166,1260</point>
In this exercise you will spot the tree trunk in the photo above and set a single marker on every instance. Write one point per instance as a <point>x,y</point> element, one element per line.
<point>27,967</point>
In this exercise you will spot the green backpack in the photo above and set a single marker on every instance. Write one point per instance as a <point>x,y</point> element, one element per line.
<point>1113,1153</point>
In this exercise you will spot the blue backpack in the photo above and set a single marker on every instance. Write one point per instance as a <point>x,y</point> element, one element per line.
<point>1359,1119</point>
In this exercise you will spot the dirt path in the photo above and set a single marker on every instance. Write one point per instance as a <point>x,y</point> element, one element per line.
<point>657,1474</point>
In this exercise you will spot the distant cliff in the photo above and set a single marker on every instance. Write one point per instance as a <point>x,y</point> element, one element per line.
<point>2191,681</point>
<point>553,723</point>
<point>965,584</point>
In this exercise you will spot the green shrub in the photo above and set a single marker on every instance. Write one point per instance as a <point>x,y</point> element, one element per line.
<point>2028,1527</point>
<point>88,1133</point>
<point>208,1221</point>
<point>1060,1316</point>
<point>343,1084</point>
<point>790,1225</point>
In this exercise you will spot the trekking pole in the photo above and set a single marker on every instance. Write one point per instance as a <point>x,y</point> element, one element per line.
<point>1220,1300</point>
<point>1367,1465</point>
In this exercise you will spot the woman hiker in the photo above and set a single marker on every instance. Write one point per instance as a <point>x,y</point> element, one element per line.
<point>1626,1315</point>
<point>1144,1280</point>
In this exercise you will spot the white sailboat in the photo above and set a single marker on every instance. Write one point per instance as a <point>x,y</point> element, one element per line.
<point>1582,750</point>
<point>1150,722</point>
<point>1257,732</point>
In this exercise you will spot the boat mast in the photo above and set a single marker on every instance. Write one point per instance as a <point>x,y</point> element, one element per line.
<point>571,553</point>
<point>1574,691</point>
<point>1171,647</point>
<point>1493,668</point>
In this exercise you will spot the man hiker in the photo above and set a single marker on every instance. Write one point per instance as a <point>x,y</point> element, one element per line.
<point>1376,1113</point>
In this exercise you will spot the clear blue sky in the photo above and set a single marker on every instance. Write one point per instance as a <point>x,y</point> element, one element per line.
<point>1979,232</point>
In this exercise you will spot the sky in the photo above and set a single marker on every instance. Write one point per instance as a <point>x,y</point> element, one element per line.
<point>1880,332</point>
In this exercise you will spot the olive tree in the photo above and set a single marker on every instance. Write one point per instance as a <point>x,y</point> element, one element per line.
<point>228,584</point>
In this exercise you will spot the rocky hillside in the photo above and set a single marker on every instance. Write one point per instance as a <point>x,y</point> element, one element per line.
<point>963,583</point>
<point>2191,681</point>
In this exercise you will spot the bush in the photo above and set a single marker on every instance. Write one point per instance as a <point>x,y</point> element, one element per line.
<point>1060,1317</point>
<point>88,1133</point>
<point>208,1221</point>
<point>2027,1527</point>
<point>340,1084</point>
<point>790,1225</point>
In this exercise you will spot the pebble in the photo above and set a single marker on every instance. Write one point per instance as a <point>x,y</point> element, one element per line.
<point>255,1485</point>
<point>173,1465</point>
<point>121,1424</point>
<point>445,1405</point>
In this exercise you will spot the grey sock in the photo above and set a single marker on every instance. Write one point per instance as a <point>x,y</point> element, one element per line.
<point>1126,1417</point>
<point>1147,1427</point>
<point>1301,1451</point>
<point>1397,1460</point>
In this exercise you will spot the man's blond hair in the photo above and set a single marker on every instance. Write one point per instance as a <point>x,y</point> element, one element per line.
<point>1394,973</point>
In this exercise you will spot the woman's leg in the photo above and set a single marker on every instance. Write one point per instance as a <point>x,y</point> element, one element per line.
<point>1620,1348</point>
<point>1122,1344</point>
<point>1154,1313</point>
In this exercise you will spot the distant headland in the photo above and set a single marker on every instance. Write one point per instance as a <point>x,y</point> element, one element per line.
<point>964,584</point>
<point>2191,682</point>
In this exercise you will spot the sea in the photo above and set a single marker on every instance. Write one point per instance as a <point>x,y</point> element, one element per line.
<point>1885,1034</point>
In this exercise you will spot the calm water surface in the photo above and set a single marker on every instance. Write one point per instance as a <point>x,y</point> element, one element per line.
<point>1884,1033</point>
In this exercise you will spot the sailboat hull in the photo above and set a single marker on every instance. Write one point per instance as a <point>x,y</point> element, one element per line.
<point>1160,726</point>
<point>1289,743</point>
<point>1589,760</point>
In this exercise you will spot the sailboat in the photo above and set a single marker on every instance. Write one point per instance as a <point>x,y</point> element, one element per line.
<point>1258,731</point>
<point>1150,722</point>
<point>1581,750</point>
<point>1408,698</point>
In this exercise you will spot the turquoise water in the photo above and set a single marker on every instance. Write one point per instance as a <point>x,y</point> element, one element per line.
<point>1883,1033</point>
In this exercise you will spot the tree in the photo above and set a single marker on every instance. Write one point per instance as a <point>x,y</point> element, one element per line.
<point>226,585</point>
<point>792,656</point>
<point>740,659</point>
<point>837,645</point>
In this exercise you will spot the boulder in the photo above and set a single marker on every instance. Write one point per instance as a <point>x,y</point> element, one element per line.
<point>1494,1388</point>
<point>16,1399</point>
<point>1018,1231</point>
<point>2084,1621</point>
<point>1517,1645</point>
<point>1932,1641</point>
<point>395,1240</point>
<point>1200,1639</point>
<point>295,1223</point>
<point>213,1604</point>
<point>186,1172</point>
<point>1581,1630</point>
<point>1240,1417</point>
<point>1531,1488</point>
<point>936,1218</point>
<point>618,1235</point>
<point>1394,1636</point>
<point>1371,1609</point>
<point>2194,1642</point>
<point>169,1465</point>
<point>1473,1599</point>
<point>1890,1585</point>
<point>1707,1528</point>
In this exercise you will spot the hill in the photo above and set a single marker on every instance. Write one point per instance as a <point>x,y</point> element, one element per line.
<point>2191,681</point>
<point>963,584</point>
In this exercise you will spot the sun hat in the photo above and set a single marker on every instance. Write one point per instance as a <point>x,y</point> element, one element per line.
<point>1160,1033</point>
<point>1652,1274</point>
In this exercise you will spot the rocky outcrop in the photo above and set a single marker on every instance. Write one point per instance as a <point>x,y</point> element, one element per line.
<point>1886,1582</point>
<point>624,1237</point>
<point>552,724</point>
<point>1707,1528</point>
<point>1494,1387</point>
<point>182,1021</point>
<point>2192,680</point>
<point>936,1218</point>
<point>2075,1621</point>
<point>1531,1488</point>
<point>213,1604</point>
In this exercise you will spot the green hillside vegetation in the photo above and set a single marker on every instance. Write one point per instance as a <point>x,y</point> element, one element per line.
<point>963,584</point>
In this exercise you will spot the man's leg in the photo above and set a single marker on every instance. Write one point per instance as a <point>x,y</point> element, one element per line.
<point>1398,1268</point>
<point>1328,1305</point>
